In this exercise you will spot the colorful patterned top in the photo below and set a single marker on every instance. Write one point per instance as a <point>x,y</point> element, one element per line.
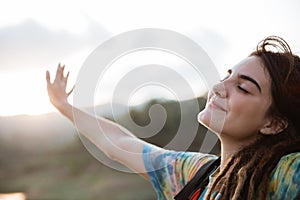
<point>169,172</point>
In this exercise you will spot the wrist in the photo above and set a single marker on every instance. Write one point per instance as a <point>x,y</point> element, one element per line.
<point>66,109</point>
<point>61,106</point>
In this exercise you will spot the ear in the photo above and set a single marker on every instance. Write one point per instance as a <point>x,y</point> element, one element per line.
<point>274,126</point>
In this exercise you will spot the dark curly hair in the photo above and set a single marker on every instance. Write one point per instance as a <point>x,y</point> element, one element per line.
<point>246,174</point>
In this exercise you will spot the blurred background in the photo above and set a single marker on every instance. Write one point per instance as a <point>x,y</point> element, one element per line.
<point>41,155</point>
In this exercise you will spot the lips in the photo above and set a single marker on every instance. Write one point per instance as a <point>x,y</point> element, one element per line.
<point>214,104</point>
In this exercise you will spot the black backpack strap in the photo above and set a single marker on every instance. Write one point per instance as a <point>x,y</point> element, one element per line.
<point>199,180</point>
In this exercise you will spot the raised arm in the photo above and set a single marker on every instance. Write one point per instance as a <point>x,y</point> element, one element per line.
<point>113,139</point>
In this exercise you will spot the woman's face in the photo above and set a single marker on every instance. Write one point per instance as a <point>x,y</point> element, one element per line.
<point>236,107</point>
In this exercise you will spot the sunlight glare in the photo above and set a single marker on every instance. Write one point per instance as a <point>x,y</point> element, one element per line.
<point>13,196</point>
<point>25,92</point>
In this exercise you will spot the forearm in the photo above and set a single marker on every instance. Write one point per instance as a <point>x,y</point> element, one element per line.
<point>114,140</point>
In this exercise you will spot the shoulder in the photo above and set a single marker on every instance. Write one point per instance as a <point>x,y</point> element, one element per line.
<point>158,153</point>
<point>285,178</point>
<point>187,163</point>
<point>169,171</point>
<point>198,162</point>
<point>290,162</point>
<point>288,165</point>
<point>291,157</point>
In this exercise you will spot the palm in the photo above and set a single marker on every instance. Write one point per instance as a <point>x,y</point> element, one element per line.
<point>57,90</point>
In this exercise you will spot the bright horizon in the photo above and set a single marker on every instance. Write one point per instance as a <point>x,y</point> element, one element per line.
<point>36,35</point>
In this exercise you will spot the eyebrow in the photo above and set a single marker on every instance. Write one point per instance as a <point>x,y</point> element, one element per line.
<point>247,78</point>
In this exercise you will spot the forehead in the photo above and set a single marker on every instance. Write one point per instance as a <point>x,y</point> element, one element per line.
<point>253,67</point>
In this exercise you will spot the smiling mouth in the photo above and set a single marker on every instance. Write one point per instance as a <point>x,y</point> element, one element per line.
<point>215,105</point>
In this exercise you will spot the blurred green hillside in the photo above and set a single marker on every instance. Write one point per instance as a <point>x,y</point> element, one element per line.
<point>68,174</point>
<point>43,157</point>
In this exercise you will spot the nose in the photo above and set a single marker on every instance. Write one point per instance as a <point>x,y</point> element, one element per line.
<point>219,90</point>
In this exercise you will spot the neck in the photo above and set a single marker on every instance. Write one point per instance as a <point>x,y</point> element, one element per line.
<point>226,153</point>
<point>229,147</point>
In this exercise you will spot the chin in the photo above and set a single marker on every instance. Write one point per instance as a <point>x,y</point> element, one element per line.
<point>204,118</point>
<point>211,121</point>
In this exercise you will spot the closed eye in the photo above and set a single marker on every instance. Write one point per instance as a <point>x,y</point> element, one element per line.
<point>242,89</point>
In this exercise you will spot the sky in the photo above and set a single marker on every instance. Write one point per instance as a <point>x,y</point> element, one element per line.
<point>37,35</point>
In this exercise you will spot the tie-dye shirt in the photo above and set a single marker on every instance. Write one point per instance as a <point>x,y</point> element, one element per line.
<point>169,172</point>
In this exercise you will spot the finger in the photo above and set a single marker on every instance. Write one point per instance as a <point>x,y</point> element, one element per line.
<point>58,72</point>
<point>67,76</point>
<point>62,68</point>
<point>68,94</point>
<point>48,77</point>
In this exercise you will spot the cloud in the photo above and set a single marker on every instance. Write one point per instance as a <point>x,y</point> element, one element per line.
<point>30,44</point>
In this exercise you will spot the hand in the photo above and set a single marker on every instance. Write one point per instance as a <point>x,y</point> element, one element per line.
<point>57,90</point>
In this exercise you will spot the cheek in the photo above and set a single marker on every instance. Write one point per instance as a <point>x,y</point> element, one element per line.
<point>245,116</point>
<point>248,109</point>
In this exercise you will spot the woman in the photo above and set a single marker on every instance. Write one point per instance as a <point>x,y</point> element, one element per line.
<point>259,104</point>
